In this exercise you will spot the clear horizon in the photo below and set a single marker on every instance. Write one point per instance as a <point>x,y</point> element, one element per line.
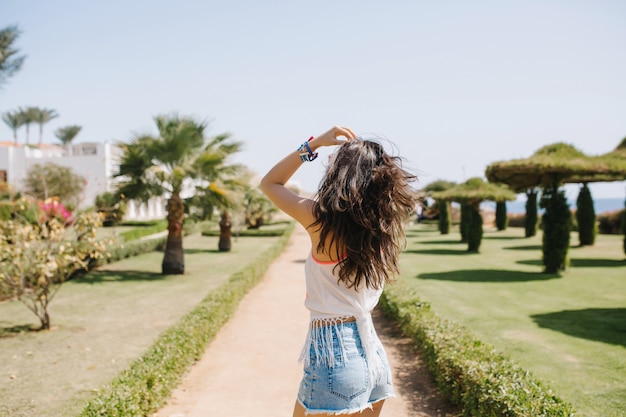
<point>454,87</point>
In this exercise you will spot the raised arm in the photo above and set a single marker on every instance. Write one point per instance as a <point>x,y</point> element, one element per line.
<point>273,184</point>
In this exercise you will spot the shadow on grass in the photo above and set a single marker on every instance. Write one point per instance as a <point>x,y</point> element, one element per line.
<point>443,242</point>
<point>15,330</point>
<point>580,263</point>
<point>487,237</point>
<point>98,277</point>
<point>195,251</point>
<point>525,247</point>
<point>488,275</point>
<point>463,251</point>
<point>607,325</point>
<point>593,263</point>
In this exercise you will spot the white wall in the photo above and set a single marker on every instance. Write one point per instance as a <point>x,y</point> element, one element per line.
<point>95,162</point>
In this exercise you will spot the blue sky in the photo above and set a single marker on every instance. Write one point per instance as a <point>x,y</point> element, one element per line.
<point>454,85</point>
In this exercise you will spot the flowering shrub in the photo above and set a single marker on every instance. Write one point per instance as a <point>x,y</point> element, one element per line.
<point>37,258</point>
<point>52,208</point>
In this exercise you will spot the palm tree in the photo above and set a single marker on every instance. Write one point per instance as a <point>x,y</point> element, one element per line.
<point>41,117</point>
<point>9,62</point>
<point>14,120</point>
<point>29,116</point>
<point>67,134</point>
<point>168,164</point>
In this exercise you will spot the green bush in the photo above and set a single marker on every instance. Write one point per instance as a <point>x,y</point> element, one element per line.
<point>501,217</point>
<point>610,223</point>
<point>470,373</point>
<point>474,227</point>
<point>465,219</point>
<point>586,217</point>
<point>445,219</point>
<point>624,226</point>
<point>516,219</point>
<point>531,218</point>
<point>557,221</point>
<point>146,385</point>
<point>143,229</point>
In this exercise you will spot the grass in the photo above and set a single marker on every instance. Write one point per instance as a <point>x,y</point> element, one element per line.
<point>102,322</point>
<point>569,330</point>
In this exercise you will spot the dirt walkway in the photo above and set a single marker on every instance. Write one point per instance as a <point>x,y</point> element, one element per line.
<point>251,367</point>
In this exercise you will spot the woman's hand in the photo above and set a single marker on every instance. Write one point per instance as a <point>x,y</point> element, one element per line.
<point>331,137</point>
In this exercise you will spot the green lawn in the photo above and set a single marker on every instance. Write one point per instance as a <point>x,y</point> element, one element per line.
<point>569,330</point>
<point>102,322</point>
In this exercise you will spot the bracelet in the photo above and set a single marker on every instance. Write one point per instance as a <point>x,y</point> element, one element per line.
<point>305,152</point>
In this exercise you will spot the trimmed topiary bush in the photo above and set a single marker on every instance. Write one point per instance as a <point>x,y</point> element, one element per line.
<point>624,226</point>
<point>474,227</point>
<point>586,217</point>
<point>465,219</point>
<point>556,221</point>
<point>502,220</point>
<point>445,218</point>
<point>532,219</point>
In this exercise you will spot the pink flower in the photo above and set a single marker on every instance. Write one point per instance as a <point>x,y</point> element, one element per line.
<point>53,208</point>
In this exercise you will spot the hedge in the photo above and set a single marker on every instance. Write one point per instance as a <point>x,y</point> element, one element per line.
<point>468,372</point>
<point>146,385</point>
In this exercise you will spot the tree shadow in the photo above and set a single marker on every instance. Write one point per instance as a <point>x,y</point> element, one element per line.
<point>594,263</point>
<point>488,275</point>
<point>443,242</point>
<point>525,247</point>
<point>487,237</point>
<point>13,331</point>
<point>440,251</point>
<point>580,263</point>
<point>607,325</point>
<point>193,251</point>
<point>99,277</point>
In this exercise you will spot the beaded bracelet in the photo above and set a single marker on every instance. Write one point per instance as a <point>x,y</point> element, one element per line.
<point>306,153</point>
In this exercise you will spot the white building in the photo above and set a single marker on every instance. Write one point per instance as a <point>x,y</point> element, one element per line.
<point>95,162</point>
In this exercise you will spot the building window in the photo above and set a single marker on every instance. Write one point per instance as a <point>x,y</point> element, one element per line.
<point>89,150</point>
<point>3,176</point>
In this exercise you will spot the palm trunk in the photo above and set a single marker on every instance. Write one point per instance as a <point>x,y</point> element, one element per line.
<point>225,232</point>
<point>174,258</point>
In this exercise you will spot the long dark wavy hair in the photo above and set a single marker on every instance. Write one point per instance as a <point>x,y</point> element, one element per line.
<point>363,203</point>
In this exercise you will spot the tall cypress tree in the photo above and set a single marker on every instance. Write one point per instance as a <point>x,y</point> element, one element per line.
<point>624,226</point>
<point>586,217</point>
<point>465,220</point>
<point>557,223</point>
<point>502,220</point>
<point>474,227</point>
<point>445,218</point>
<point>531,221</point>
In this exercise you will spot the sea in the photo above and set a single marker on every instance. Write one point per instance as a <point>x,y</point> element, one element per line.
<point>601,205</point>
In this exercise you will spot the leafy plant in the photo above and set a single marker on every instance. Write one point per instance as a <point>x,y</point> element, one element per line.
<point>38,258</point>
<point>468,372</point>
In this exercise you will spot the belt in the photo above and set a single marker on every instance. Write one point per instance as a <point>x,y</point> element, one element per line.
<point>315,323</point>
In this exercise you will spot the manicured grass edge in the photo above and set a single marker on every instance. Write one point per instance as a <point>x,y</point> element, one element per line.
<point>145,386</point>
<point>468,372</point>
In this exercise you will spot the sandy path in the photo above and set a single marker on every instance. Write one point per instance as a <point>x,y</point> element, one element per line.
<point>251,367</point>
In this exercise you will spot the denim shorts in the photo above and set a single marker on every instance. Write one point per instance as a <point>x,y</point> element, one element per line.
<point>346,387</point>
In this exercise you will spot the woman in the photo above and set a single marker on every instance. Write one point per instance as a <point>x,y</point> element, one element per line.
<point>356,228</point>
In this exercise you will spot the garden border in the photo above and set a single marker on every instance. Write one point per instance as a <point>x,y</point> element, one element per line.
<point>468,372</point>
<point>147,383</point>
